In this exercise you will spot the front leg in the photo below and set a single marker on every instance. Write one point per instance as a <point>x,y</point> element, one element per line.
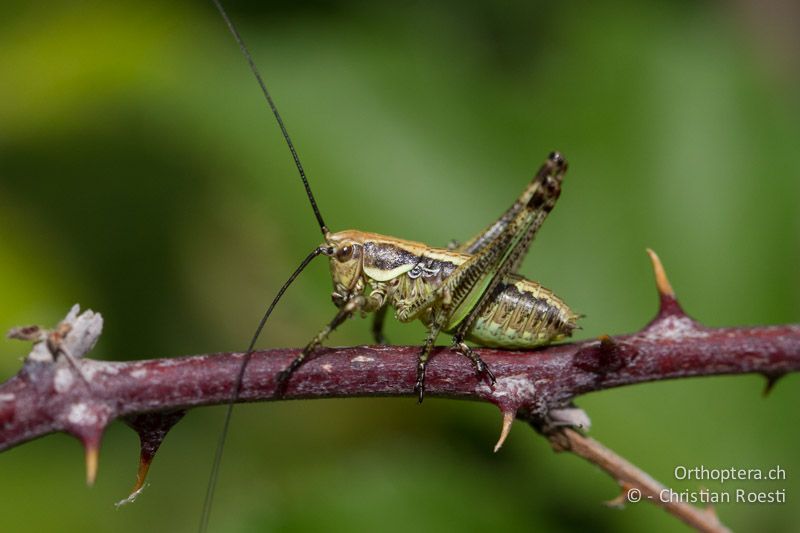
<point>355,304</point>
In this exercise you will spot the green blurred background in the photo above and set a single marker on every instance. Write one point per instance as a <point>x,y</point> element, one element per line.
<point>141,175</point>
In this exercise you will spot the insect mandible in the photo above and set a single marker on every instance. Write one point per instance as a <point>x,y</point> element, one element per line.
<point>468,290</point>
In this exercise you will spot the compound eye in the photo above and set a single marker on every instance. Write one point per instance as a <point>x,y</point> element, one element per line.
<point>344,253</point>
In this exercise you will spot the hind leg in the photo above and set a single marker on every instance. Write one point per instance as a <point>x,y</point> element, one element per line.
<point>481,368</point>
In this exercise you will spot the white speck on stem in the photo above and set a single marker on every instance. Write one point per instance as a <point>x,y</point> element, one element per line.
<point>362,359</point>
<point>63,379</point>
<point>139,373</point>
<point>7,397</point>
<point>570,417</point>
<point>518,385</point>
<point>674,328</point>
<point>327,367</point>
<point>81,415</point>
<point>90,368</point>
<point>40,353</point>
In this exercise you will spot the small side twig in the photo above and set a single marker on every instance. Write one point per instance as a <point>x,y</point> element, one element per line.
<point>636,485</point>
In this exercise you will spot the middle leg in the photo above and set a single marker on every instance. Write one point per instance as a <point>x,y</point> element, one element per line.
<point>377,325</point>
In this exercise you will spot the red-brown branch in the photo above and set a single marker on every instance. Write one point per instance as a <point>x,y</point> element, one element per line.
<point>31,404</point>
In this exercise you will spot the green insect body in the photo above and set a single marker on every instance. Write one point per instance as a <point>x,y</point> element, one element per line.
<point>413,278</point>
<point>470,291</point>
<point>521,313</point>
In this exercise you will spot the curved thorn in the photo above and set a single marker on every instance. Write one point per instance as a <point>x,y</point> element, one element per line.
<point>619,501</point>
<point>711,511</point>
<point>662,282</point>
<point>772,379</point>
<point>141,476</point>
<point>508,419</point>
<point>92,456</point>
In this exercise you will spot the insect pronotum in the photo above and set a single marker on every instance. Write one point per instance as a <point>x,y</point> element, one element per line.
<point>468,290</point>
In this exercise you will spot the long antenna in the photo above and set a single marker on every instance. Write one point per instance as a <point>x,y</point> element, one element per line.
<point>212,481</point>
<point>274,109</point>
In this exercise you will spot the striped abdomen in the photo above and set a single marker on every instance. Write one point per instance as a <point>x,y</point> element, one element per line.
<point>523,314</point>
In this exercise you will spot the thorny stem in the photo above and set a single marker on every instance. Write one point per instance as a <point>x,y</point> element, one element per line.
<point>152,395</point>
